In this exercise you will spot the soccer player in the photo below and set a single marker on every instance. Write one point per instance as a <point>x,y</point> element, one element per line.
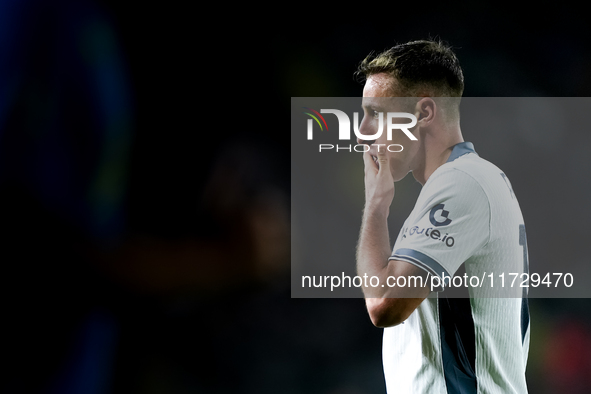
<point>466,221</point>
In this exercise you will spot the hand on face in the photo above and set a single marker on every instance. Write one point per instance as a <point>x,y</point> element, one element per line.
<point>379,184</point>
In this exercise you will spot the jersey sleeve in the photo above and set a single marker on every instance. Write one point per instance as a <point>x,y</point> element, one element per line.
<point>450,222</point>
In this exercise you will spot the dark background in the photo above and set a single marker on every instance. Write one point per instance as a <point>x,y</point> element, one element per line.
<point>145,190</point>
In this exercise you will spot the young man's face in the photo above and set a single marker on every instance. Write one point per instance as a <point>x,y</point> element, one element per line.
<point>377,88</point>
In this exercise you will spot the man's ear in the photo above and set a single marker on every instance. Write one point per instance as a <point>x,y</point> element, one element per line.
<point>425,111</point>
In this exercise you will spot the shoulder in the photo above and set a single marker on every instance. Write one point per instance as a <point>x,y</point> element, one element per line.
<point>466,178</point>
<point>466,174</point>
<point>458,190</point>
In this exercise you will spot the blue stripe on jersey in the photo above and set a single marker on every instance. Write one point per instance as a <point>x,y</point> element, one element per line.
<point>461,149</point>
<point>421,260</point>
<point>458,342</point>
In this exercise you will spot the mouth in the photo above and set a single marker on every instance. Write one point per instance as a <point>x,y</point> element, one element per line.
<point>369,143</point>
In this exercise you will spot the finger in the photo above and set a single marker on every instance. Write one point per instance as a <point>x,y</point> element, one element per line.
<point>383,159</point>
<point>368,160</point>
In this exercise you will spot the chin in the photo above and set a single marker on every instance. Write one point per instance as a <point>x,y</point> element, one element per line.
<point>399,169</point>
<point>398,176</point>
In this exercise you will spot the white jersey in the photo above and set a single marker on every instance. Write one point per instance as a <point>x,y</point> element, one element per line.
<point>465,221</point>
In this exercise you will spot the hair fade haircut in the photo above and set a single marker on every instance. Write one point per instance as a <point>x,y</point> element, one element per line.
<point>418,68</point>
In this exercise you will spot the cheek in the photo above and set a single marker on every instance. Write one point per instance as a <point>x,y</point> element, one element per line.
<point>369,126</point>
<point>383,139</point>
<point>398,137</point>
<point>376,128</point>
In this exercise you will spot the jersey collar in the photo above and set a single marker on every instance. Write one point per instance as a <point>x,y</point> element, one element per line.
<point>461,149</point>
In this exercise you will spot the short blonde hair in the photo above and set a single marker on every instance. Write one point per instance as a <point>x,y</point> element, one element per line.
<point>418,68</point>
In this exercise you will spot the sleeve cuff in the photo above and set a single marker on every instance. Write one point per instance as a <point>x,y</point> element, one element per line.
<point>424,262</point>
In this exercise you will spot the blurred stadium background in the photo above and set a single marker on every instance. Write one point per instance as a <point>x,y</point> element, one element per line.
<point>144,181</point>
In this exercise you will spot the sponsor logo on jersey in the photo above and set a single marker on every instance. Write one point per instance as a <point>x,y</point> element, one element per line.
<point>439,218</point>
<point>430,233</point>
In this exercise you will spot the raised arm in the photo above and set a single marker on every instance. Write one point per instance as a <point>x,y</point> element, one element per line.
<point>387,304</point>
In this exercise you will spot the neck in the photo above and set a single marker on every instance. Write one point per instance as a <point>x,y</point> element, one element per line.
<point>437,148</point>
